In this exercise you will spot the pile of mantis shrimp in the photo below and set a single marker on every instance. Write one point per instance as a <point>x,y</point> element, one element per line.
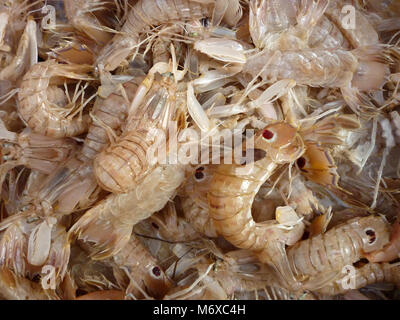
<point>87,90</point>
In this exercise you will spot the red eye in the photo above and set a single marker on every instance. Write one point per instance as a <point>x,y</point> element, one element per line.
<point>268,135</point>
<point>156,271</point>
<point>301,162</point>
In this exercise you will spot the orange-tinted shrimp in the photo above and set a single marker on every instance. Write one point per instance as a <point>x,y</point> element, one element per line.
<point>103,295</point>
<point>318,259</point>
<point>119,167</point>
<point>14,287</point>
<point>234,187</point>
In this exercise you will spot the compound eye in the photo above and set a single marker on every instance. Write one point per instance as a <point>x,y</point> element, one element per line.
<point>371,235</point>
<point>199,174</point>
<point>156,272</point>
<point>268,135</point>
<point>301,162</point>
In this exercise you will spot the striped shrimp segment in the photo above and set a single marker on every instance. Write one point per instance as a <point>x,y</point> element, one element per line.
<point>108,116</point>
<point>370,273</point>
<point>32,150</point>
<point>119,167</point>
<point>45,107</point>
<point>234,187</point>
<point>313,67</point>
<point>326,254</point>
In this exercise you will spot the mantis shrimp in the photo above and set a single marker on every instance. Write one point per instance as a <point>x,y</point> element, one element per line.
<point>147,13</point>
<point>45,107</point>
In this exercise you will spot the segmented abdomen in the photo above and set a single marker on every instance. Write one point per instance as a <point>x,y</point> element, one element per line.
<point>143,269</point>
<point>199,218</point>
<point>37,99</point>
<point>338,247</point>
<point>230,199</point>
<point>316,68</point>
<point>370,273</point>
<point>151,13</point>
<point>146,14</point>
<point>111,113</point>
<point>122,164</point>
<point>326,35</point>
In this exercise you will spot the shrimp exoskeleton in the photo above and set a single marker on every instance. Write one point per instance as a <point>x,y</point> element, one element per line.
<point>119,167</point>
<point>15,287</point>
<point>153,13</point>
<point>195,205</point>
<point>362,34</point>
<point>370,273</point>
<point>74,182</point>
<point>108,116</point>
<point>25,56</point>
<point>81,15</point>
<point>45,107</point>
<point>392,250</point>
<point>313,67</point>
<point>108,225</point>
<point>170,226</point>
<point>234,187</point>
<point>316,260</point>
<point>327,35</point>
<point>284,24</point>
<point>30,242</point>
<point>146,278</point>
<point>238,271</point>
<point>354,72</point>
<point>33,150</point>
